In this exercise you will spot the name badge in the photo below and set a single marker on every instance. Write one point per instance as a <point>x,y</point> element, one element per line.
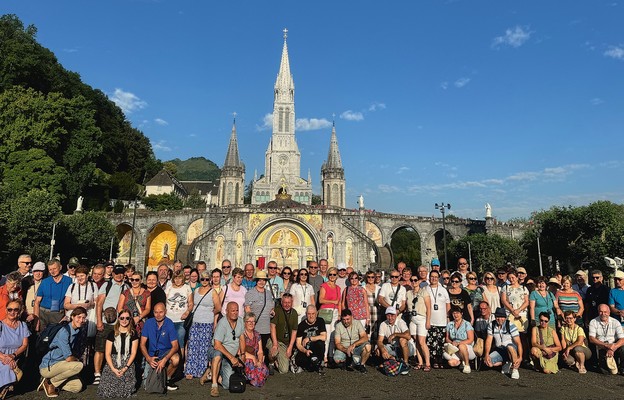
<point>286,335</point>
<point>435,307</point>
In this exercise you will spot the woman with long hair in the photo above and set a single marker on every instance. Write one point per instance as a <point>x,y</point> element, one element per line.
<point>179,305</point>
<point>122,344</point>
<point>287,276</point>
<point>303,294</point>
<point>138,300</point>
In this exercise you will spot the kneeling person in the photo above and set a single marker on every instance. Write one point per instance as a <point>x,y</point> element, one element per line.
<point>351,342</point>
<point>505,338</point>
<point>226,344</point>
<point>394,338</point>
<point>311,335</point>
<point>159,345</point>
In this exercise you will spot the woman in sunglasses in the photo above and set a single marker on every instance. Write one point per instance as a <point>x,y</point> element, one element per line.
<point>287,276</point>
<point>303,294</point>
<point>199,348</point>
<point>460,297</point>
<point>329,298</point>
<point>545,345</point>
<point>13,345</point>
<point>138,300</point>
<point>491,292</point>
<point>118,376</point>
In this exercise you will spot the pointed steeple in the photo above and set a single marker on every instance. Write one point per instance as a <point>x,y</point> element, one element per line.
<point>232,159</point>
<point>284,82</point>
<point>333,158</point>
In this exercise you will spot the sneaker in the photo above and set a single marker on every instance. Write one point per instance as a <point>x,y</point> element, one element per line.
<point>96,380</point>
<point>214,391</point>
<point>321,370</point>
<point>506,368</point>
<point>171,386</point>
<point>361,368</point>
<point>404,369</point>
<point>515,374</point>
<point>466,369</point>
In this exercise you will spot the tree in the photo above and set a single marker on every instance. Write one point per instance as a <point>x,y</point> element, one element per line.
<point>27,221</point>
<point>85,235</point>
<point>195,201</point>
<point>488,252</point>
<point>405,246</point>
<point>163,202</point>
<point>316,199</point>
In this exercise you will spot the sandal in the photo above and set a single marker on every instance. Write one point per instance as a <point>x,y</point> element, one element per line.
<point>418,366</point>
<point>427,368</point>
<point>437,366</point>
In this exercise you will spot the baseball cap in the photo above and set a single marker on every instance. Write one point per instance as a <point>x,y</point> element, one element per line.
<point>619,274</point>
<point>39,266</point>
<point>119,269</point>
<point>581,272</point>
<point>521,269</point>
<point>391,310</point>
<point>435,261</point>
<point>74,261</point>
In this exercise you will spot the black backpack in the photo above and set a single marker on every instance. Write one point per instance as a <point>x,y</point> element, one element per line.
<point>238,381</point>
<point>46,337</point>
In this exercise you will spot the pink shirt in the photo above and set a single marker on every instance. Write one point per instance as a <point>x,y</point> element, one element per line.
<point>331,294</point>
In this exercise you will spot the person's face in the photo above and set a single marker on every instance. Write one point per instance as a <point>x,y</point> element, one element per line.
<point>187,273</point>
<point>151,281</point>
<point>109,270</point>
<point>485,310</point>
<point>261,283</point>
<point>332,276</point>
<point>472,279</point>
<point>232,311</point>
<point>303,276</point>
<point>249,271</point>
<point>323,265</point>
<point>566,285</point>
<point>38,275</point>
<point>250,324</point>
<point>12,286</point>
<point>177,267</point>
<point>238,279</point>
<point>597,279</point>
<point>500,320</point>
<point>355,280</point>
<point>521,275</point>
<point>462,264</point>
<point>569,320</point>
<point>603,312</point>
<point>287,303</point>
<point>71,270</point>
<point>201,267</point>
<point>346,320</point>
<point>97,274</point>
<point>179,280</point>
<point>580,279</point>
<point>129,273</point>
<point>455,283</point>
<point>54,269</point>
<point>489,280</point>
<point>512,278</point>
<point>205,281</point>
<point>543,321</point>
<point>311,315</point>
<point>313,267</point>
<point>446,278</point>
<point>394,278</point>
<point>81,278</point>
<point>118,277</point>
<point>135,280</point>
<point>618,282</point>
<point>124,319</point>
<point>400,267</point>
<point>159,312</point>
<point>391,318</point>
<point>457,315</point>
<point>434,279</point>
<point>541,285</point>
<point>272,268</point>
<point>13,310</point>
<point>370,278</point>
<point>193,277</point>
<point>342,273</point>
<point>286,274</point>
<point>24,264</point>
<point>216,278</point>
<point>407,274</point>
<point>163,272</point>
<point>422,273</point>
<point>226,268</point>
<point>377,278</point>
<point>79,320</point>
<point>501,276</point>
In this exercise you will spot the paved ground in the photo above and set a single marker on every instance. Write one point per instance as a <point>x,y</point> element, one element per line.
<point>440,384</point>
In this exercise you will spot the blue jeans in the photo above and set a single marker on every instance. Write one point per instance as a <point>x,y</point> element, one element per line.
<point>179,327</point>
<point>225,370</point>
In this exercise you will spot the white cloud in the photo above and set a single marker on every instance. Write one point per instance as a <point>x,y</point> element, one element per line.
<point>461,82</point>
<point>267,122</point>
<point>161,146</point>
<point>311,124</point>
<point>71,50</point>
<point>402,169</point>
<point>616,52</point>
<point>376,106</point>
<point>444,85</point>
<point>596,101</point>
<point>514,37</point>
<point>352,115</point>
<point>127,101</point>
<point>388,188</point>
<point>161,121</point>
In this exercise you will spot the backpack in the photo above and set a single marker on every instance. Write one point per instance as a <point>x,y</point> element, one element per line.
<point>238,380</point>
<point>506,326</point>
<point>392,367</point>
<point>45,338</point>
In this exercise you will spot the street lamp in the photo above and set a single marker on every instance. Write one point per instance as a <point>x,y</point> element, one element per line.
<point>442,207</point>
<point>538,230</point>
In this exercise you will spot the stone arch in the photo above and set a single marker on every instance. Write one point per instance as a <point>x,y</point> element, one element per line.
<point>413,258</point>
<point>124,234</point>
<point>162,242</point>
<point>194,229</point>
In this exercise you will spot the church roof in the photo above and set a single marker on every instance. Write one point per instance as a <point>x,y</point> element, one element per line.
<point>201,187</point>
<point>232,158</point>
<point>164,178</point>
<point>333,157</point>
<point>284,77</point>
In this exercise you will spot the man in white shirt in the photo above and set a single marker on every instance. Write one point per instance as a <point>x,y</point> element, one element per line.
<point>503,345</point>
<point>392,294</point>
<point>607,335</point>
<point>394,337</point>
<point>581,285</point>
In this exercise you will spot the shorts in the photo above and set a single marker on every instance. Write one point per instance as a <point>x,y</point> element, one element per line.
<point>500,354</point>
<point>454,356</point>
<point>100,338</point>
<point>417,326</point>
<point>410,345</point>
<point>179,327</point>
<point>340,356</point>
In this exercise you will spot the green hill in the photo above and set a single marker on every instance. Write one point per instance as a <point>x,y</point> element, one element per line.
<point>196,169</point>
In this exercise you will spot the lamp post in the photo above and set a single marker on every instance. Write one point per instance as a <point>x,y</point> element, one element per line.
<point>539,250</point>
<point>443,207</point>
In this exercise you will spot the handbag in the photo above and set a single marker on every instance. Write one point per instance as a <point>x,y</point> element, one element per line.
<point>189,318</point>
<point>156,382</point>
<point>327,314</point>
<point>238,381</point>
<point>17,371</point>
<point>478,347</point>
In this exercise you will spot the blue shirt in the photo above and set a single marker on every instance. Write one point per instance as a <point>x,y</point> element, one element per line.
<point>159,339</point>
<point>616,299</point>
<point>53,294</point>
<point>248,284</point>
<point>61,346</point>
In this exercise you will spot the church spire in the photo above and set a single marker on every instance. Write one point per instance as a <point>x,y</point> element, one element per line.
<point>333,158</point>
<point>284,84</point>
<point>232,159</point>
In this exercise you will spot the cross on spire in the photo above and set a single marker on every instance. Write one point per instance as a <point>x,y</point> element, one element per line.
<point>285,33</point>
<point>234,114</point>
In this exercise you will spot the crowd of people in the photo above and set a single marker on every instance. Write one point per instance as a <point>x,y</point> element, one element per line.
<point>110,326</point>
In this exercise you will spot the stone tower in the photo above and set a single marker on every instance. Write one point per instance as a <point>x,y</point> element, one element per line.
<point>332,175</point>
<point>232,184</point>
<point>283,159</point>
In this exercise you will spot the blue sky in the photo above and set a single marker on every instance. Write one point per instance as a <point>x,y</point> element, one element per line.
<point>519,104</point>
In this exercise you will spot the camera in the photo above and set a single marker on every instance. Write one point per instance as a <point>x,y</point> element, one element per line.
<point>413,313</point>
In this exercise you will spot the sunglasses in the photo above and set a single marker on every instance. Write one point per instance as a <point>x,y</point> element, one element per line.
<point>489,278</point>
<point>303,274</point>
<point>413,280</point>
<point>135,279</point>
<point>472,278</point>
<point>272,267</point>
<point>453,281</point>
<point>370,277</point>
<point>205,279</point>
<point>332,274</point>
<point>394,276</point>
<point>313,267</point>
<point>71,267</point>
<point>26,262</point>
<point>286,273</point>
<point>12,309</point>
<point>446,278</point>
<point>233,334</point>
<point>543,321</point>
<point>124,318</point>
<point>355,278</point>
<point>596,277</point>
<point>227,266</point>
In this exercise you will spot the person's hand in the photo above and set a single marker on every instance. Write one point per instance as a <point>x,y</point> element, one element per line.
<point>428,325</point>
<point>235,362</point>
<point>161,365</point>
<point>100,326</point>
<point>350,350</point>
<point>153,362</point>
<point>385,355</point>
<point>488,360</point>
<point>566,354</point>
<point>186,313</point>
<point>288,352</point>
<point>308,353</point>
<point>610,353</point>
<point>30,317</point>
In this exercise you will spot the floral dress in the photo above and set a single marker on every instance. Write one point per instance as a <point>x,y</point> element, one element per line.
<point>356,300</point>
<point>256,375</point>
<point>133,304</point>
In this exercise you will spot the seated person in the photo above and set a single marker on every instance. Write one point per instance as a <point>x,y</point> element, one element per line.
<point>459,340</point>
<point>606,333</point>
<point>575,351</point>
<point>503,346</point>
<point>351,340</point>
<point>311,336</point>
<point>251,348</point>
<point>60,366</point>
<point>283,333</point>
<point>226,344</point>
<point>159,345</point>
<point>394,338</point>
<point>545,345</point>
